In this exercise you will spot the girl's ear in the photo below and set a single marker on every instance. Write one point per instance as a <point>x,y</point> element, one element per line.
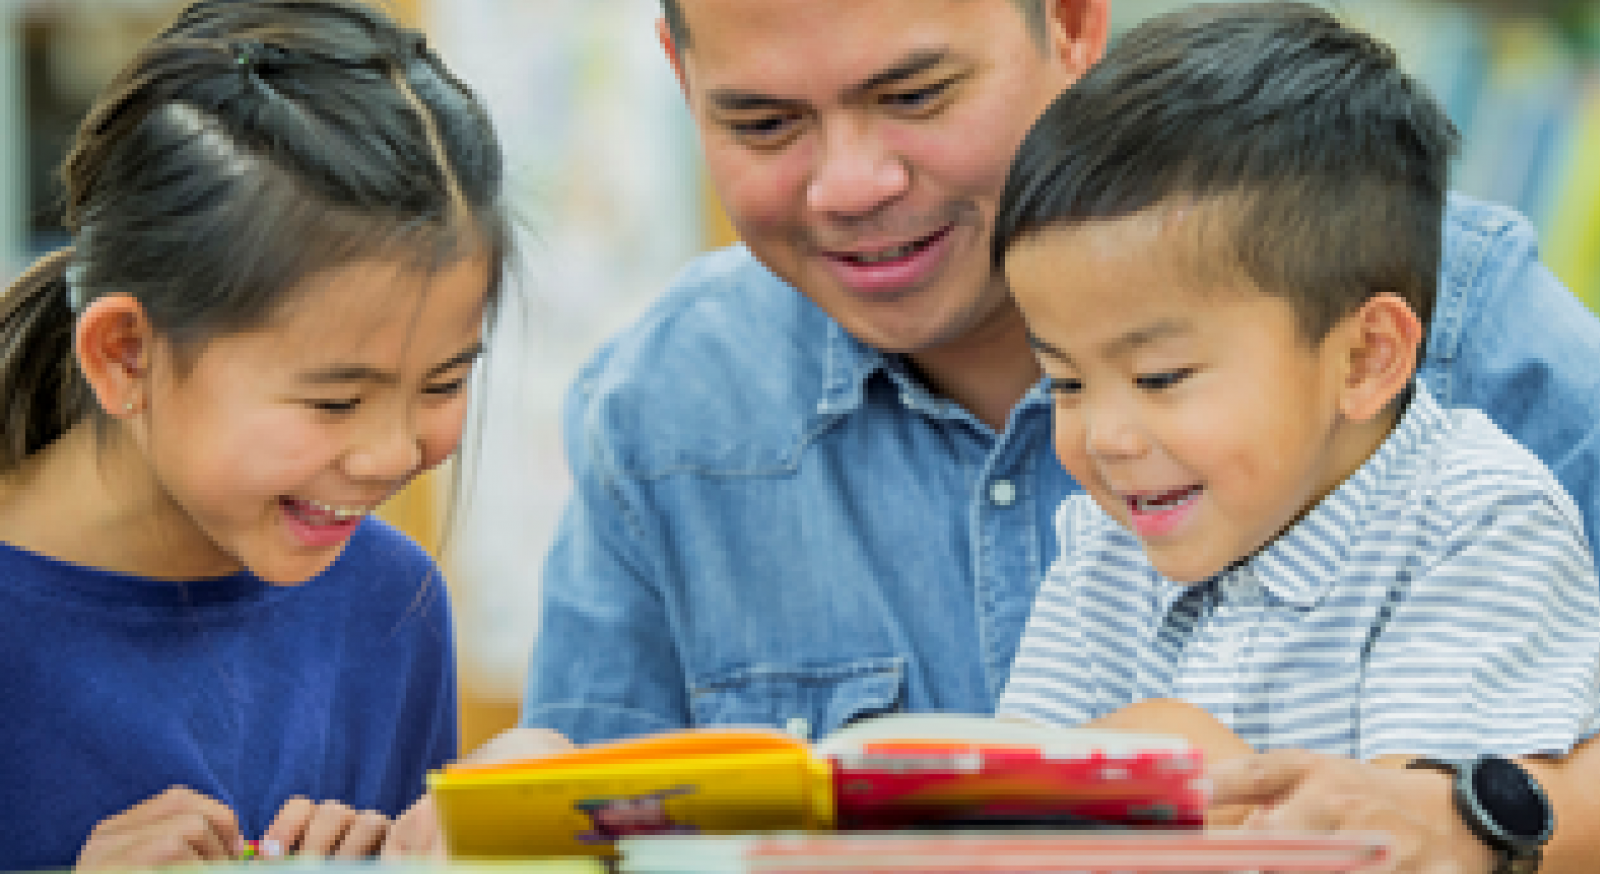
<point>1384,337</point>
<point>112,341</point>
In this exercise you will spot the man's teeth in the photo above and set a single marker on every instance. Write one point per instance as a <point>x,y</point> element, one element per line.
<point>885,255</point>
<point>341,513</point>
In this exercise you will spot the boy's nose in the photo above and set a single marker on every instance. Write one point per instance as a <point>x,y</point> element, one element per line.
<point>1112,436</point>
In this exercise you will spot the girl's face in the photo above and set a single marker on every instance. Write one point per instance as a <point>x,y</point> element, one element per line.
<point>274,446</point>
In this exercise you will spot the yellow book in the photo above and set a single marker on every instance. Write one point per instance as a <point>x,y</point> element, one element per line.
<point>891,772</point>
<point>707,781</point>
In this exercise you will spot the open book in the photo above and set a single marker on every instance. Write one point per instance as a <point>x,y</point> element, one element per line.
<point>901,771</point>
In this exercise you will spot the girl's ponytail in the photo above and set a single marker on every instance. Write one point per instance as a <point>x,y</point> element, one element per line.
<point>41,393</point>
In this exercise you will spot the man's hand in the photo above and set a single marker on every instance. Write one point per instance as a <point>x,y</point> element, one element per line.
<point>1298,791</point>
<point>326,829</point>
<point>179,825</point>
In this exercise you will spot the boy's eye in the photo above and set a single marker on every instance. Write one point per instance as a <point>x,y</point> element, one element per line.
<point>1164,380</point>
<point>1063,386</point>
<point>765,131</point>
<point>334,406</point>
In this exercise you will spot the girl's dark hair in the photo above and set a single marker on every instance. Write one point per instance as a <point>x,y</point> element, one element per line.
<point>1330,164</point>
<point>248,147</point>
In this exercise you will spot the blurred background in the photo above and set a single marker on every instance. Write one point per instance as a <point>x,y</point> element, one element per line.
<point>605,173</point>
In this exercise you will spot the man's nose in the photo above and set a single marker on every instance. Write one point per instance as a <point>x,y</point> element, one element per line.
<point>856,173</point>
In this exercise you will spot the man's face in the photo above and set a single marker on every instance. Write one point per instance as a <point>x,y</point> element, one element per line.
<point>860,146</point>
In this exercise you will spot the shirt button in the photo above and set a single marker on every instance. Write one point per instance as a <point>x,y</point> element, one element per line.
<point>798,726</point>
<point>1003,492</point>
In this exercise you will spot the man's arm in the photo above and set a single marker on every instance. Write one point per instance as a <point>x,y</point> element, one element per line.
<point>605,664</point>
<point>1508,338</point>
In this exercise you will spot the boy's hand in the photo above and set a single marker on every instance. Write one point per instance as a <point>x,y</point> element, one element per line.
<point>326,829</point>
<point>179,825</point>
<point>1299,791</point>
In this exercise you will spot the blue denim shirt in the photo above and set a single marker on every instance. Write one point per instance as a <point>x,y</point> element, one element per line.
<point>774,524</point>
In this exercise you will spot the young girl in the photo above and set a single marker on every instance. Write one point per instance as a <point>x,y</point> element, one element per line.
<point>287,241</point>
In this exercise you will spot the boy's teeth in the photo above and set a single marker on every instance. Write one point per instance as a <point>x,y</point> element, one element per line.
<point>1165,500</point>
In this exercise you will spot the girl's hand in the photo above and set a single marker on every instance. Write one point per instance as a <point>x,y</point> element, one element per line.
<point>416,834</point>
<point>325,829</point>
<point>179,825</point>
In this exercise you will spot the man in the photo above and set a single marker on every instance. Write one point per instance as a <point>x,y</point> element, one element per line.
<point>815,481</point>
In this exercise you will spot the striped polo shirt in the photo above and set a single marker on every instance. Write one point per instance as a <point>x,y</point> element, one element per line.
<point>1442,601</point>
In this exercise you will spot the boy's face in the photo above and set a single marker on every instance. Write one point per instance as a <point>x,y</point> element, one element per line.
<point>1187,401</point>
<point>860,145</point>
<point>269,452</point>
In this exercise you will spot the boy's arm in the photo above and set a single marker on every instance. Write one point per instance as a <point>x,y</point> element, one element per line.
<point>1180,718</point>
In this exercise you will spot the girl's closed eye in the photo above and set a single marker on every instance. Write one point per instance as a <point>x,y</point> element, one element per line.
<point>1063,385</point>
<point>334,405</point>
<point>447,389</point>
<point>1163,380</point>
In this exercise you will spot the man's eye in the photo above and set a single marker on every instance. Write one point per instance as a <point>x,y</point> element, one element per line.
<point>1164,380</point>
<point>918,98</point>
<point>334,406</point>
<point>1062,386</point>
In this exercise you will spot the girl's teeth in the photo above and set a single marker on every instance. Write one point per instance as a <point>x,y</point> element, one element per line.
<point>1165,501</point>
<point>340,513</point>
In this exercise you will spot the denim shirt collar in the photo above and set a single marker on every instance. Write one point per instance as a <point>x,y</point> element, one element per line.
<point>850,364</point>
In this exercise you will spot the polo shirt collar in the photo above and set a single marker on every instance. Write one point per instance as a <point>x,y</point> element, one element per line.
<point>1302,566</point>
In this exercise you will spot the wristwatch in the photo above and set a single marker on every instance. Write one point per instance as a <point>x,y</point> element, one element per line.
<point>1503,805</point>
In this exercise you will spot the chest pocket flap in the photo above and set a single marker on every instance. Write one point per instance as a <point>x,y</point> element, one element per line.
<point>807,700</point>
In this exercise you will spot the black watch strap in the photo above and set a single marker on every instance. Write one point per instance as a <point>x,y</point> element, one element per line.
<point>1503,805</point>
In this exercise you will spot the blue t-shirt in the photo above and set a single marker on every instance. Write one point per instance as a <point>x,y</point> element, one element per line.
<point>116,687</point>
<point>774,524</point>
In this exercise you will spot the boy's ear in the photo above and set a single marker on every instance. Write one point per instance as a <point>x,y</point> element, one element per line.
<point>1383,340</point>
<point>113,341</point>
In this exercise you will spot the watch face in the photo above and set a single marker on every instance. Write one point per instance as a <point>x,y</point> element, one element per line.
<point>1512,800</point>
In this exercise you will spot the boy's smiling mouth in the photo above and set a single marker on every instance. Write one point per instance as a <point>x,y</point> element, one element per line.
<point>1159,502</point>
<point>1160,513</point>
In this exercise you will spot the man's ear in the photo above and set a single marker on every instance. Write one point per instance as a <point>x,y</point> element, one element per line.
<point>113,341</point>
<point>674,57</point>
<point>1078,32</point>
<point>1382,340</point>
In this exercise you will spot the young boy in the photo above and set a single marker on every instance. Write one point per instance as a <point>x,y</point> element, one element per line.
<point>1225,242</point>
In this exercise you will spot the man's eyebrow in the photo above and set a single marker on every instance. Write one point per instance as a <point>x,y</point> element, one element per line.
<point>341,373</point>
<point>1141,336</point>
<point>912,65</point>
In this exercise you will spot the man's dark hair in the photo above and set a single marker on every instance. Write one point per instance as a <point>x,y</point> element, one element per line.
<point>678,25</point>
<point>1327,164</point>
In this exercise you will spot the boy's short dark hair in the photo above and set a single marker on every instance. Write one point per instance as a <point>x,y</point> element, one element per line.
<point>1329,164</point>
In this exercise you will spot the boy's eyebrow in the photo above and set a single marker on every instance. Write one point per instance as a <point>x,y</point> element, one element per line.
<point>1141,336</point>
<point>913,64</point>
<point>338,373</point>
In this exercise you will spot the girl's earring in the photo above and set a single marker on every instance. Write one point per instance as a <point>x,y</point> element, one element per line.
<point>127,407</point>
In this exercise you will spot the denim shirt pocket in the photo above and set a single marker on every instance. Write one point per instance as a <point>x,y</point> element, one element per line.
<point>811,700</point>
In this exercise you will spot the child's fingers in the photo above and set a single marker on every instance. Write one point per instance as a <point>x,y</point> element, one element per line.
<point>416,834</point>
<point>179,825</point>
<point>328,829</point>
<point>290,824</point>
